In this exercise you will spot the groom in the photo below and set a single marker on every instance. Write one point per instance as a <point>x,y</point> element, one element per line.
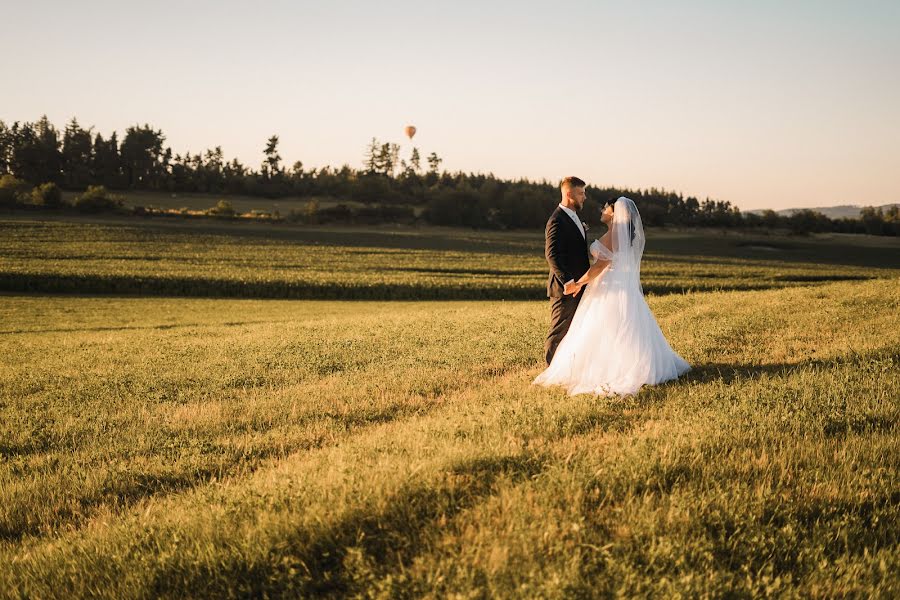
<point>566,249</point>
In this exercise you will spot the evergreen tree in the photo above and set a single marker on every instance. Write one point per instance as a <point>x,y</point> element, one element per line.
<point>77,153</point>
<point>213,176</point>
<point>272,165</point>
<point>5,148</point>
<point>233,174</point>
<point>24,156</point>
<point>372,160</point>
<point>106,164</point>
<point>50,152</point>
<point>35,154</point>
<point>388,158</point>
<point>141,155</point>
<point>434,163</point>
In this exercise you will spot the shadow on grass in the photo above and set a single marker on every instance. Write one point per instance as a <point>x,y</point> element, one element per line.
<point>599,417</point>
<point>730,373</point>
<point>346,557</point>
<point>838,525</point>
<point>142,328</point>
<point>838,424</point>
<point>452,271</point>
<point>822,278</point>
<point>125,285</point>
<point>325,429</point>
<point>134,286</point>
<point>775,250</point>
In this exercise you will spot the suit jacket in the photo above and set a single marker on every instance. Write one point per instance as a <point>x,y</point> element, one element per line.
<point>566,251</point>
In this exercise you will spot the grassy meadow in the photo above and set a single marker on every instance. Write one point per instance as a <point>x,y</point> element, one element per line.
<point>157,257</point>
<point>187,426</point>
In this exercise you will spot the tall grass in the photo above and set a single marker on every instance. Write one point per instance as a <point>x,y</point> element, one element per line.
<point>177,447</point>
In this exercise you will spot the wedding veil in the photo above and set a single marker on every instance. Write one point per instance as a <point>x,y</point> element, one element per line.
<point>627,236</point>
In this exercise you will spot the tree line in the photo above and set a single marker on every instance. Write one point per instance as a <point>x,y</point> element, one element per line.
<point>37,161</point>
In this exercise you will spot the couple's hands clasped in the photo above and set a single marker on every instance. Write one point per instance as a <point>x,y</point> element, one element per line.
<point>572,288</point>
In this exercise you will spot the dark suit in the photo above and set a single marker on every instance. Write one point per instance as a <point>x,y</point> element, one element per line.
<point>567,254</point>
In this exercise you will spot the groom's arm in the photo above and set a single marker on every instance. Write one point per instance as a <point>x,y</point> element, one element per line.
<point>555,252</point>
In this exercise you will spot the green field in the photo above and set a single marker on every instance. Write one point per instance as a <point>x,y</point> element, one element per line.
<point>155,444</point>
<point>185,258</point>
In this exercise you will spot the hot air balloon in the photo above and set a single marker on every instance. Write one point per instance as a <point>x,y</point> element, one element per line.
<point>410,131</point>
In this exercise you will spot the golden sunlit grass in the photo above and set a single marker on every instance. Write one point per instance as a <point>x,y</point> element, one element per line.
<point>178,447</point>
<point>137,257</point>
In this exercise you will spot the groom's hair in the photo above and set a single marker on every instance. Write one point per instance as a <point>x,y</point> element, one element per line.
<point>570,182</point>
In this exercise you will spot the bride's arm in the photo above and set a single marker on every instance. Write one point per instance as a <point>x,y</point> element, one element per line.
<point>596,270</point>
<point>601,251</point>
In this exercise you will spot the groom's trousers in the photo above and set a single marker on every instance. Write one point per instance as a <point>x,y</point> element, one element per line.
<point>561,312</point>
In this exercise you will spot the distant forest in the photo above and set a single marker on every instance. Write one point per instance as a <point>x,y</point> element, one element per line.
<point>37,162</point>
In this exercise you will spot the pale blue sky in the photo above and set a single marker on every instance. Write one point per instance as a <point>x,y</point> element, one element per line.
<point>765,103</point>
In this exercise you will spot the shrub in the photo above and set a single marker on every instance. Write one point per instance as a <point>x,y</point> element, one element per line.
<point>311,212</point>
<point>97,199</point>
<point>48,195</point>
<point>308,215</point>
<point>223,208</point>
<point>13,191</point>
<point>385,213</point>
<point>340,213</point>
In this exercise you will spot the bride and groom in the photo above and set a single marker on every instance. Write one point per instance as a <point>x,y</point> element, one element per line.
<point>603,339</point>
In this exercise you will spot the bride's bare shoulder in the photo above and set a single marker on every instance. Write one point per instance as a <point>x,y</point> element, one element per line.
<point>606,240</point>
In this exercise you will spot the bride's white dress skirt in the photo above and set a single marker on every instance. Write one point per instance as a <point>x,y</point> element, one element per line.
<point>614,345</point>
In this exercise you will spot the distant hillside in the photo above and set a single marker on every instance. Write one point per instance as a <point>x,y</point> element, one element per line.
<point>848,211</point>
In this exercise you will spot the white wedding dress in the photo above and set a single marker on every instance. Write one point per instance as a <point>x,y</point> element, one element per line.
<point>614,345</point>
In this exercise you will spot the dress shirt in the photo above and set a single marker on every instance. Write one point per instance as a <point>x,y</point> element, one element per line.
<point>575,218</point>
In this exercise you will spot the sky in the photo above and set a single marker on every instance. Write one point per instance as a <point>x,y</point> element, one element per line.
<point>766,104</point>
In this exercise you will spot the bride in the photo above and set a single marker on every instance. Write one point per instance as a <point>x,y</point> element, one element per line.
<point>614,345</point>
